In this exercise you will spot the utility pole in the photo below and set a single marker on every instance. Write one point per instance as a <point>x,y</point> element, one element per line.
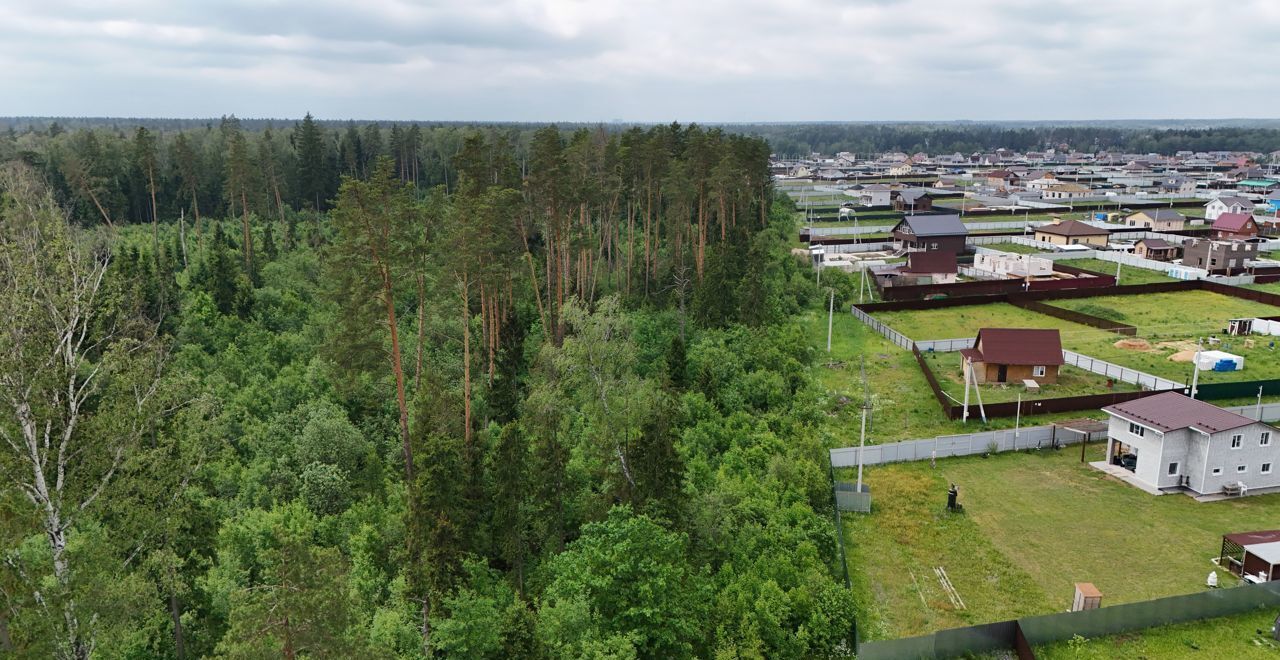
<point>866,405</point>
<point>1195,375</point>
<point>1259,403</point>
<point>1118,264</point>
<point>1017,421</point>
<point>831,314</point>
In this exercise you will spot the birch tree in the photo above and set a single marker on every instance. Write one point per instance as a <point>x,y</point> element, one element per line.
<point>77,383</point>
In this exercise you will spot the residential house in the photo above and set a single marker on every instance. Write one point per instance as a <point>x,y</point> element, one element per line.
<point>1012,355</point>
<point>1218,257</point>
<point>1001,178</point>
<point>912,200</point>
<point>1273,203</point>
<point>1042,182</point>
<point>1234,226</point>
<point>1065,191</point>
<point>1226,204</point>
<point>935,267</point>
<point>876,194</point>
<point>1171,441</point>
<point>1156,249</point>
<point>1158,220</point>
<point>899,169</point>
<point>931,232</point>
<point>1072,232</point>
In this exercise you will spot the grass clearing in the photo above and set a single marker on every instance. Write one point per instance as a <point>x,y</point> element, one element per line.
<point>1034,524</point>
<point>1234,637</point>
<point>1171,322</point>
<point>965,321</point>
<point>1072,381</point>
<point>1014,248</point>
<point>903,406</point>
<point>1128,274</point>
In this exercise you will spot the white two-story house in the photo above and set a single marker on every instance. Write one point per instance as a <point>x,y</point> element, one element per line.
<point>1170,441</point>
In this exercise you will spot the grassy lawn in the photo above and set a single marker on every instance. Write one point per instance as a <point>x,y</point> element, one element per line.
<point>1233,637</point>
<point>1034,524</point>
<point>1273,287</point>
<point>1014,248</point>
<point>965,321</point>
<point>1072,381</point>
<point>1169,321</point>
<point>903,406</point>
<point>1177,318</point>
<point>1128,274</point>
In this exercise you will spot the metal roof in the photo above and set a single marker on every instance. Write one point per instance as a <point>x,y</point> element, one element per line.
<point>1232,221</point>
<point>1171,411</point>
<point>1072,228</point>
<point>934,225</point>
<point>1245,539</point>
<point>1021,346</point>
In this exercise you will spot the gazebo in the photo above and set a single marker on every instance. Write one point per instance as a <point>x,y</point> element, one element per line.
<point>1254,556</point>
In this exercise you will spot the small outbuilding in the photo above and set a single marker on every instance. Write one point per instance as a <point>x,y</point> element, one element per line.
<point>1254,556</point>
<point>1156,249</point>
<point>1013,355</point>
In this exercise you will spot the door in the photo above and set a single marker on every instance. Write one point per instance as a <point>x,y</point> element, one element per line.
<point>1002,374</point>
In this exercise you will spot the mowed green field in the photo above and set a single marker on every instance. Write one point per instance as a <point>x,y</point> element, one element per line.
<point>1128,274</point>
<point>903,406</point>
<point>1034,524</point>
<point>1072,381</point>
<point>1235,637</point>
<point>1176,319</point>
<point>1184,316</point>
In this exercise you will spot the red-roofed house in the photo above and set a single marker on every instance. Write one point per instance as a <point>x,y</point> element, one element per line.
<point>1235,225</point>
<point>1171,441</point>
<point>1012,355</point>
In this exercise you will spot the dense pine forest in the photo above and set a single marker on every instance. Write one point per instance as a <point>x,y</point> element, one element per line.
<point>400,391</point>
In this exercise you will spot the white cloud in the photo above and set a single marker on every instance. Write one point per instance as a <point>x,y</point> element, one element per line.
<point>707,60</point>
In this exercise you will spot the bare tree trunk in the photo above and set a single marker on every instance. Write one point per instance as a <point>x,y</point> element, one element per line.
<point>248,237</point>
<point>182,235</point>
<point>175,614</point>
<point>398,370</point>
<point>422,329</point>
<point>466,364</point>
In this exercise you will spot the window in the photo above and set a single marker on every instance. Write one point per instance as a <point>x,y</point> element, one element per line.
<point>1242,469</point>
<point>1265,439</point>
<point>1266,468</point>
<point>1236,440</point>
<point>1173,468</point>
<point>1136,430</point>
<point>1037,371</point>
<point>1217,471</point>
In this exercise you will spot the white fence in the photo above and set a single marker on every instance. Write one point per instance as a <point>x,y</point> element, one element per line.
<point>945,345</point>
<point>858,247</point>
<point>889,333</point>
<point>1017,239</point>
<point>946,446</point>
<point>969,444</point>
<point>1123,374</point>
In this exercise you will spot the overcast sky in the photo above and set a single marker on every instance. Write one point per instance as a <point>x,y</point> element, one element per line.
<point>687,60</point>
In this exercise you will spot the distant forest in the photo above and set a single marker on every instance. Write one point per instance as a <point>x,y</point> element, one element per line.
<point>1166,136</point>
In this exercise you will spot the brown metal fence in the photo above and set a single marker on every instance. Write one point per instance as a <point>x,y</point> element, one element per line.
<point>1089,624</point>
<point>1075,317</point>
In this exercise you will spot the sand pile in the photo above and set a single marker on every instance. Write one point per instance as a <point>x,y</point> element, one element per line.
<point>1133,344</point>
<point>1183,356</point>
